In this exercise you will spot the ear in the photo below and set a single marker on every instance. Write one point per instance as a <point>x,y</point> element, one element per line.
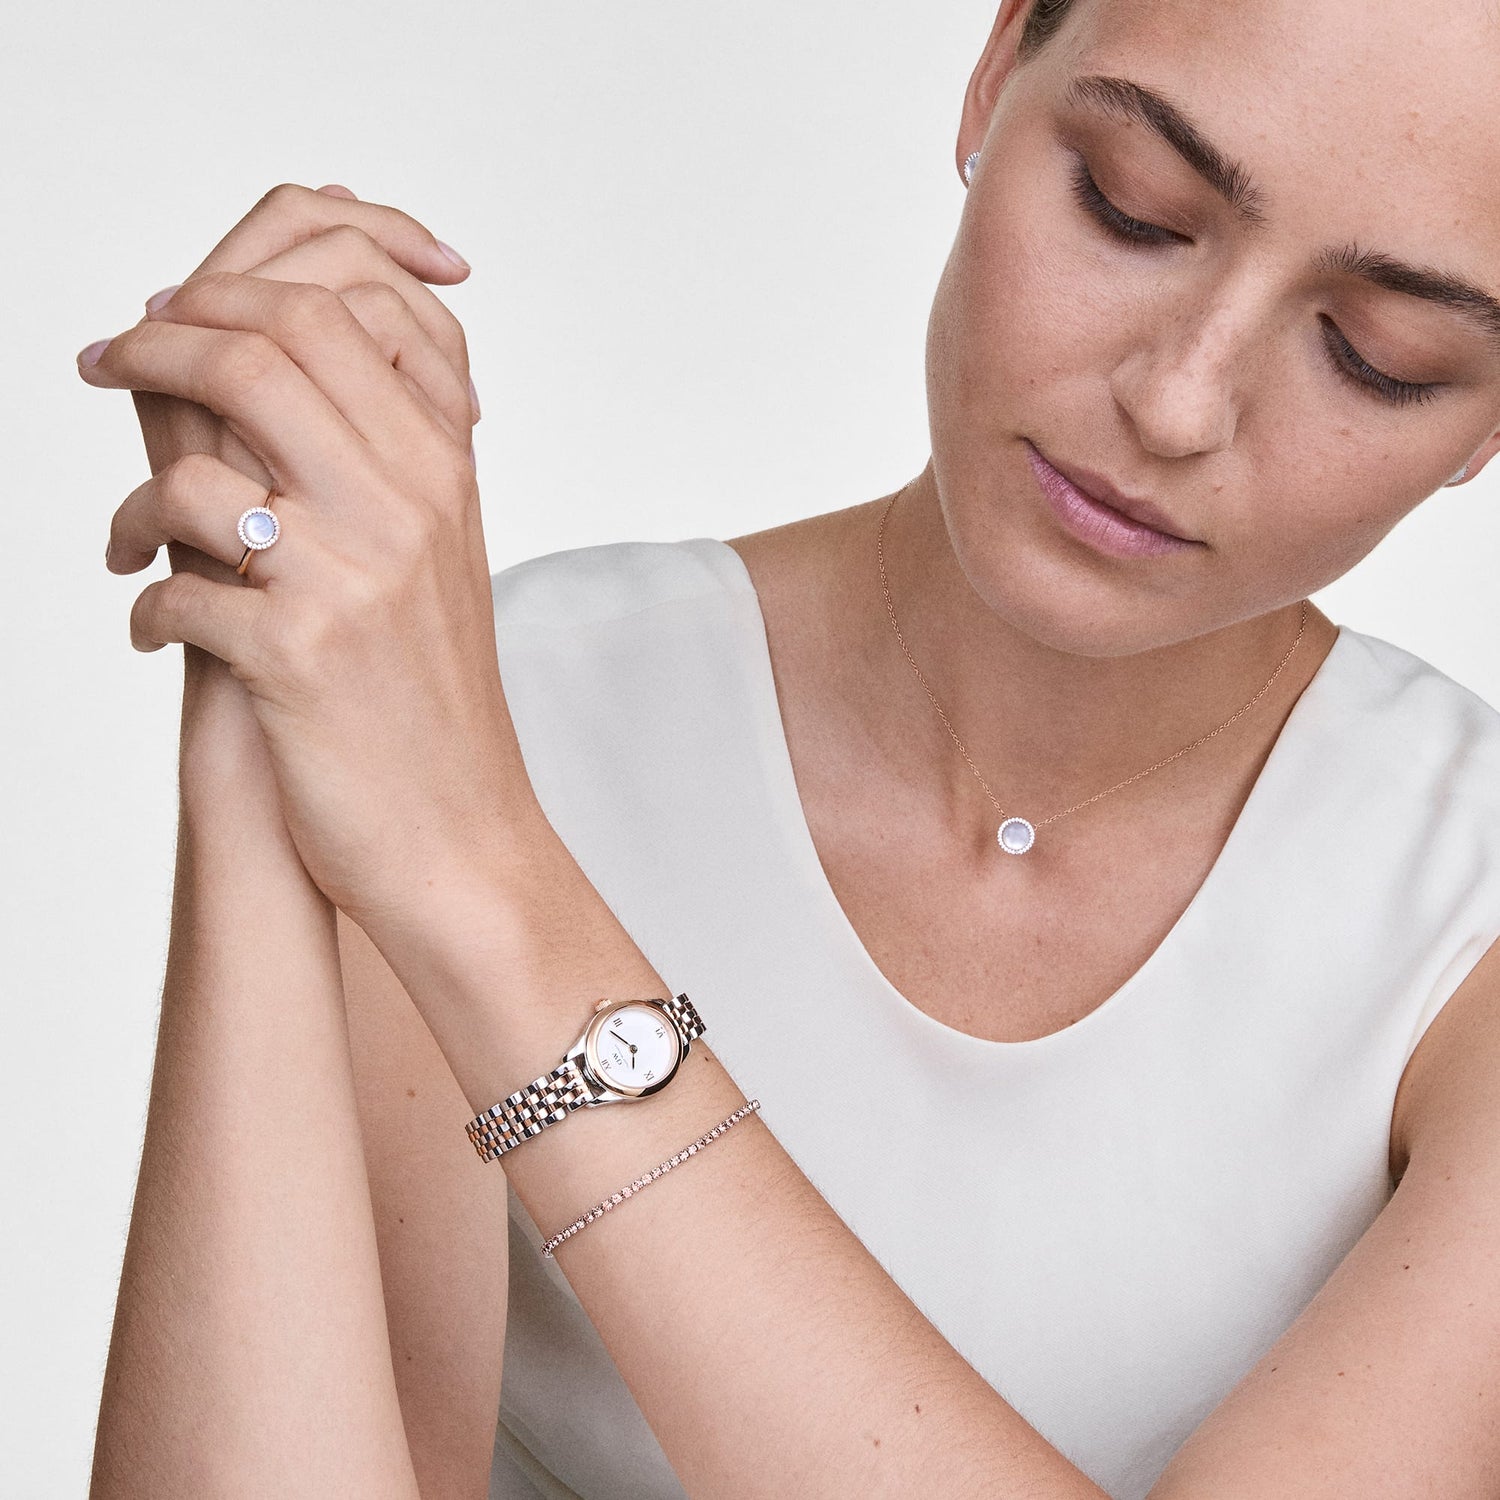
<point>1482,455</point>
<point>994,67</point>
<point>1486,451</point>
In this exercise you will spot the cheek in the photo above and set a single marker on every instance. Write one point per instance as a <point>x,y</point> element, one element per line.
<point>1296,528</point>
<point>1316,487</point>
<point>995,324</point>
<point>1025,324</point>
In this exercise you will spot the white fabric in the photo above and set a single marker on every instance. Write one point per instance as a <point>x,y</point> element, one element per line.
<point>1111,1223</point>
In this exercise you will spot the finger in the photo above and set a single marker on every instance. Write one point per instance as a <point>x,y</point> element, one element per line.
<point>223,618</point>
<point>290,213</point>
<point>404,344</point>
<point>443,387</point>
<point>344,255</point>
<point>198,500</point>
<point>337,190</point>
<point>268,402</point>
<point>319,333</point>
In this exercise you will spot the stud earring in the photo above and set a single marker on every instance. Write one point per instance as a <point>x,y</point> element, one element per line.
<point>970,162</point>
<point>1457,478</point>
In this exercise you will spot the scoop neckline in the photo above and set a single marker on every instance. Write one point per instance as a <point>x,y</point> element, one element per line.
<point>791,817</point>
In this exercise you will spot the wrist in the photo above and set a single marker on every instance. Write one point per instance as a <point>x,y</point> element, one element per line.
<point>504,957</point>
<point>485,896</point>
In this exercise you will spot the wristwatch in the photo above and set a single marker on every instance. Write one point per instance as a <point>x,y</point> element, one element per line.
<point>629,1049</point>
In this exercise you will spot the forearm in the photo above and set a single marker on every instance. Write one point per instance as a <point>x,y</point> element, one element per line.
<point>770,1352</point>
<point>249,1354</point>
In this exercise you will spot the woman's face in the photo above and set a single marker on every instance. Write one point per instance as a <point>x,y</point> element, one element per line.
<point>1218,363</point>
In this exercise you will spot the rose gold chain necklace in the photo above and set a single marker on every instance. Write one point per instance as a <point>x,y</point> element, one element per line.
<point>1016,835</point>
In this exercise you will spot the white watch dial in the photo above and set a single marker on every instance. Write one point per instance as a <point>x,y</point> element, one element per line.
<point>637,1046</point>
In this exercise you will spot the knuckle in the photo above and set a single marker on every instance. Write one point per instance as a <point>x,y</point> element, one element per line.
<point>414,532</point>
<point>352,243</point>
<point>362,596</point>
<point>453,475</point>
<point>303,309</point>
<point>299,639</point>
<point>291,645</point>
<point>159,605</point>
<point>191,474</point>
<point>141,612</point>
<point>283,197</point>
<point>180,487</point>
<point>379,298</point>
<point>409,528</point>
<point>456,345</point>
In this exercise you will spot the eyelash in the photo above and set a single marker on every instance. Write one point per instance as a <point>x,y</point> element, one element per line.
<point>1346,358</point>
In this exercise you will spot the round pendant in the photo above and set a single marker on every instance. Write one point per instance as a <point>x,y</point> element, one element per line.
<point>1016,835</point>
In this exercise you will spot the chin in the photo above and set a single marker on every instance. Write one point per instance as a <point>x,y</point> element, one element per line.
<point>1056,590</point>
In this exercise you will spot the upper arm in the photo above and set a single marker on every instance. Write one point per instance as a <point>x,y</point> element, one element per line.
<point>1387,1384</point>
<point>441,1226</point>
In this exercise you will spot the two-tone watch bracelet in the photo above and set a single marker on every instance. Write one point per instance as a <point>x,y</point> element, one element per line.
<point>552,1097</point>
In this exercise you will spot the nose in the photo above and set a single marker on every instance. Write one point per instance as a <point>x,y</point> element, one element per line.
<point>1182,379</point>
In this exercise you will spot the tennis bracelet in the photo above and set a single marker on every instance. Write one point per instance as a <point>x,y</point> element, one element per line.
<point>600,1209</point>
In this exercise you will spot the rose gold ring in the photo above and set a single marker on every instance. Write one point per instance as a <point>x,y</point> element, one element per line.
<point>258,528</point>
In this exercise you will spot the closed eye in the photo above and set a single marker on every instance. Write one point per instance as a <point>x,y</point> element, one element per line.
<point>1345,358</point>
<point>1102,211</point>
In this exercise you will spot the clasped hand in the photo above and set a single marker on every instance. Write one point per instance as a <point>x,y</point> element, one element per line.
<point>365,634</point>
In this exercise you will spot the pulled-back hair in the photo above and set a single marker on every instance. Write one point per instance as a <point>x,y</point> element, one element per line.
<point>1042,24</point>
<point>1047,17</point>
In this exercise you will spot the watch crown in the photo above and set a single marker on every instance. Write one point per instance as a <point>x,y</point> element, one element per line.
<point>603,1001</point>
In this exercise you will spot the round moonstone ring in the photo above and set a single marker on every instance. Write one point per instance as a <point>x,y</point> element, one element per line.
<point>1016,835</point>
<point>258,529</point>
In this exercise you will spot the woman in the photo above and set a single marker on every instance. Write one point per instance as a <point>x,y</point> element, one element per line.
<point>1088,932</point>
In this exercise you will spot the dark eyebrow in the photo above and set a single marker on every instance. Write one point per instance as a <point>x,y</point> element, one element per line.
<point>1231,180</point>
<point>1128,100</point>
<point>1395,275</point>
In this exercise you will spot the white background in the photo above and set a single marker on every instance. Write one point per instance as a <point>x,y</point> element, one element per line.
<point>704,239</point>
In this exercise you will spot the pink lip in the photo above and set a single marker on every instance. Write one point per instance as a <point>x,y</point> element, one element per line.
<point>1099,524</point>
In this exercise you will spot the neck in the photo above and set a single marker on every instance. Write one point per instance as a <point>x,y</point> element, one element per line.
<point>1046,727</point>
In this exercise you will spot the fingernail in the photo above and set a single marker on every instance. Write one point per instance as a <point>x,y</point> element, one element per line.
<point>160,299</point>
<point>474,461</point>
<point>454,256</point>
<point>474,399</point>
<point>90,355</point>
<point>107,560</point>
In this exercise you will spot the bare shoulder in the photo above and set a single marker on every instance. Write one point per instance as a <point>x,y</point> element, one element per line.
<point>1450,1091</point>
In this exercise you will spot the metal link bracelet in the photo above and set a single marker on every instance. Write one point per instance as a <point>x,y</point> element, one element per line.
<point>600,1209</point>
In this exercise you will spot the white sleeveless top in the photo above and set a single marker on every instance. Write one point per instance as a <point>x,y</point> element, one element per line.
<point>1111,1223</point>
